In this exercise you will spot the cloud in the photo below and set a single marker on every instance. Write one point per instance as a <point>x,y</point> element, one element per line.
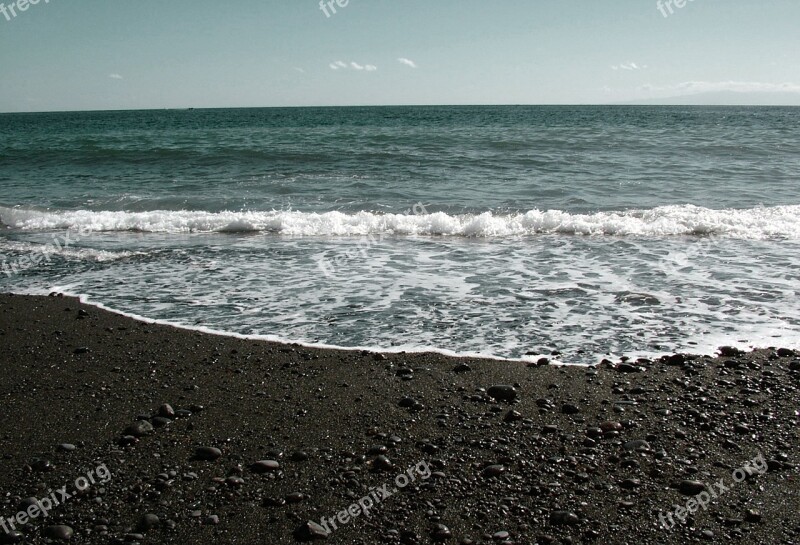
<point>115,76</point>
<point>298,69</point>
<point>407,62</point>
<point>695,87</point>
<point>628,66</point>
<point>341,65</point>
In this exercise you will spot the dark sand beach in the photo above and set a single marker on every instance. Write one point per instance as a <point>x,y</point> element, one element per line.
<point>563,455</point>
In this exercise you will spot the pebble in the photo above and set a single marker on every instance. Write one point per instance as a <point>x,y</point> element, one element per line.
<point>141,428</point>
<point>208,454</point>
<point>493,471</point>
<point>66,447</point>
<point>440,532</point>
<point>567,518</point>
<point>148,522</point>
<point>310,531</point>
<point>569,408</point>
<point>691,488</point>
<point>265,466</point>
<point>638,444</point>
<point>60,532</point>
<point>502,392</point>
<point>166,411</point>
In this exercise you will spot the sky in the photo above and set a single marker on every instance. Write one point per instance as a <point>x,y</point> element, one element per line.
<point>109,54</point>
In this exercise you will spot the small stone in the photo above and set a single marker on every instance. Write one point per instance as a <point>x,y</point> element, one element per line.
<point>298,456</point>
<point>786,353</point>
<point>265,466</point>
<point>207,454</point>
<point>462,368</point>
<point>67,447</point>
<point>11,537</point>
<point>691,488</point>
<point>730,352</point>
<point>630,484</point>
<point>310,531</point>
<point>141,428</point>
<point>493,471</point>
<point>611,426</point>
<point>42,466</point>
<point>160,422</point>
<point>564,518</point>
<point>638,444</point>
<point>382,463</point>
<point>440,532</point>
<point>81,350</point>
<point>502,392</point>
<point>60,532</point>
<point>295,497</point>
<point>166,411</point>
<point>148,522</point>
<point>500,536</point>
<point>569,408</point>
<point>751,515</point>
<point>512,416</point>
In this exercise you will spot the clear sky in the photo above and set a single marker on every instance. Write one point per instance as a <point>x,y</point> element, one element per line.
<point>114,54</point>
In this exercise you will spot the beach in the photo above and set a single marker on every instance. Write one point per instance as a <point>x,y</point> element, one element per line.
<point>215,439</point>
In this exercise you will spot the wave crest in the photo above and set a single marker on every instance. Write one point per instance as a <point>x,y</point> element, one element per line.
<point>685,220</point>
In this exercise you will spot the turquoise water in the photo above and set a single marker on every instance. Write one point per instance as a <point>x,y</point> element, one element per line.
<point>502,231</point>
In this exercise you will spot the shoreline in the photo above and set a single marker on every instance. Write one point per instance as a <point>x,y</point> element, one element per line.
<point>528,359</point>
<point>563,453</point>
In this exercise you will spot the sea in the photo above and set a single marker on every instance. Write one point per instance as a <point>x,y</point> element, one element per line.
<point>511,232</point>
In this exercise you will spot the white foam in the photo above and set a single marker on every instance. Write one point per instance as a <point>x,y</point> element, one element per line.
<point>678,220</point>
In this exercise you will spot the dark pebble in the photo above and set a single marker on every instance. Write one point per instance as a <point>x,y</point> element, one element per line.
<point>59,532</point>
<point>502,392</point>
<point>208,454</point>
<point>166,411</point>
<point>148,522</point>
<point>561,518</point>
<point>265,466</point>
<point>440,532</point>
<point>691,488</point>
<point>141,428</point>
<point>310,531</point>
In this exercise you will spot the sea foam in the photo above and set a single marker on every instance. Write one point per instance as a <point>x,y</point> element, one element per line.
<point>677,220</point>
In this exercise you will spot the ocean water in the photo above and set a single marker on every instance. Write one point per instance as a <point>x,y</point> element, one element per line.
<point>511,232</point>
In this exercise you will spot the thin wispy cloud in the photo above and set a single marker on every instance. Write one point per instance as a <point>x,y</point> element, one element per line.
<point>628,66</point>
<point>115,76</point>
<point>341,65</point>
<point>694,87</point>
<point>407,62</point>
<point>298,69</point>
